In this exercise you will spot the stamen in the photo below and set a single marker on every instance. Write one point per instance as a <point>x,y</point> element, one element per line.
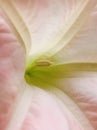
<point>43,63</point>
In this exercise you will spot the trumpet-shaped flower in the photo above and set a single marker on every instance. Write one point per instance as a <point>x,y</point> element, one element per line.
<point>48,64</point>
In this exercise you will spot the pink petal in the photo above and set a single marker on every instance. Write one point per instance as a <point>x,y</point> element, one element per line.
<point>11,71</point>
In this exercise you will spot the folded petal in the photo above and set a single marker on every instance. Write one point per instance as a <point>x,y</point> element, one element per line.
<point>17,23</point>
<point>83,93</point>
<point>47,112</point>
<point>47,27</point>
<point>83,46</point>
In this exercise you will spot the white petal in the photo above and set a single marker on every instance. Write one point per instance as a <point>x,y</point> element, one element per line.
<point>83,47</point>
<point>47,26</point>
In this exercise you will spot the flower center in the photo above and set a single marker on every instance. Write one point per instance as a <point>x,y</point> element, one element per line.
<point>38,73</point>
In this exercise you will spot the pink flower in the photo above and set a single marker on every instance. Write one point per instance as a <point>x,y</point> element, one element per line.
<point>48,64</point>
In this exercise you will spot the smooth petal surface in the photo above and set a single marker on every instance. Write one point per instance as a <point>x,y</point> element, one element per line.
<point>12,67</point>
<point>83,91</point>
<point>47,112</point>
<point>83,47</point>
<point>49,29</point>
<point>17,23</point>
<point>73,104</point>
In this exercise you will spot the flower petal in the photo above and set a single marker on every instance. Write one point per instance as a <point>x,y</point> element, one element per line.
<point>12,66</point>
<point>83,93</point>
<point>83,47</point>
<point>48,29</point>
<point>17,23</point>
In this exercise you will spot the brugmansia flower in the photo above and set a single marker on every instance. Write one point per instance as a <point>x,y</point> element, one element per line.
<point>48,65</point>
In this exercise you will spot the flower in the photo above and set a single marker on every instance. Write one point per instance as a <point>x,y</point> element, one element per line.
<point>49,54</point>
